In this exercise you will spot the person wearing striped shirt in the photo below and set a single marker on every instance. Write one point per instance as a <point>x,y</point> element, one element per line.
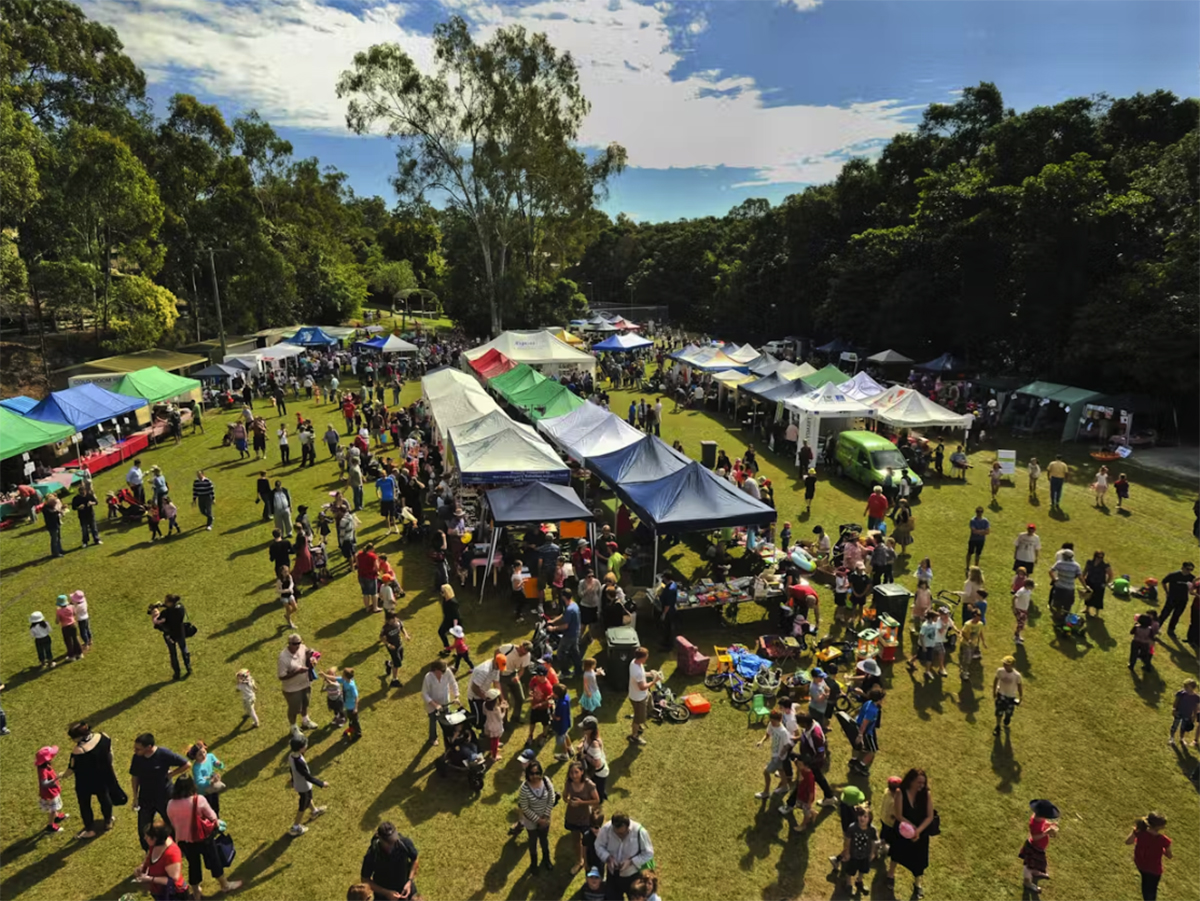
<point>203,495</point>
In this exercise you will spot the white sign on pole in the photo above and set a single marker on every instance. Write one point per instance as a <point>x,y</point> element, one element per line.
<point>1008,461</point>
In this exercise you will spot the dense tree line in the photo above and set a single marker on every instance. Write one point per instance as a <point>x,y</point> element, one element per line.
<point>1060,243</point>
<point>109,211</point>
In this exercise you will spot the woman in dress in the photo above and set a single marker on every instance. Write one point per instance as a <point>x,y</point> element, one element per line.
<point>1097,574</point>
<point>92,763</point>
<point>914,814</point>
<point>581,798</point>
<point>1033,852</point>
<point>1100,485</point>
<point>904,524</point>
<point>303,564</point>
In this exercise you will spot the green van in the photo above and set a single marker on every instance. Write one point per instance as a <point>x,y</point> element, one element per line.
<point>865,457</point>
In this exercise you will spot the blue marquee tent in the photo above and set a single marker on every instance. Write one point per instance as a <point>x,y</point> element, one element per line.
<point>693,499</point>
<point>621,343</point>
<point>536,502</point>
<point>84,406</point>
<point>945,363</point>
<point>19,404</point>
<point>312,336</point>
<point>643,461</point>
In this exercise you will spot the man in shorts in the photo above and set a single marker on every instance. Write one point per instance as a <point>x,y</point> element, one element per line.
<point>980,529</point>
<point>639,694</point>
<point>293,674</point>
<point>385,490</point>
<point>1008,691</point>
<point>868,731</point>
<point>541,701</point>
<point>1065,573</point>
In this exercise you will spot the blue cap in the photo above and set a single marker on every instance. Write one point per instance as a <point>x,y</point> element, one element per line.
<point>817,672</point>
<point>594,873</point>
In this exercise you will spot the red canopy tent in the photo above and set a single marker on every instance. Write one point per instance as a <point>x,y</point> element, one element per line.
<point>492,364</point>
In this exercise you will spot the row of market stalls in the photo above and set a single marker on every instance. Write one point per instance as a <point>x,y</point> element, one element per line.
<point>105,421</point>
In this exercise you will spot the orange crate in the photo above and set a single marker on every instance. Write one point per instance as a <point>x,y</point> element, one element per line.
<point>697,703</point>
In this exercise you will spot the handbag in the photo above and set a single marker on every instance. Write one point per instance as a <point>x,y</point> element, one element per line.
<point>935,825</point>
<point>226,852</point>
<point>116,794</point>
<point>650,864</point>
<point>201,828</point>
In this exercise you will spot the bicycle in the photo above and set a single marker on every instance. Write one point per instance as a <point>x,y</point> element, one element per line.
<point>740,689</point>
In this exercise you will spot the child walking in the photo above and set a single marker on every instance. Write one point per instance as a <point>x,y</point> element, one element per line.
<point>82,619</point>
<point>1042,828</point>
<point>333,696</point>
<point>810,489</point>
<point>1150,846</point>
<point>1183,714</point>
<point>1121,487</point>
<point>781,741</point>
<point>590,701</point>
<point>49,791</point>
<point>1021,601</point>
<point>40,630</point>
<point>170,511</point>
<point>561,722</point>
<point>494,710</point>
<point>462,653</point>
<point>247,688</point>
<point>114,506</point>
<point>349,699</point>
<point>303,781</point>
<point>152,520</point>
<point>858,848</point>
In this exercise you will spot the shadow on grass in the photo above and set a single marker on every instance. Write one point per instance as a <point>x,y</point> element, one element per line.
<point>249,551</point>
<point>116,709</point>
<point>1006,767</point>
<point>251,869</point>
<point>40,870</point>
<point>337,627</point>
<point>247,770</point>
<point>1097,630</point>
<point>512,857</point>
<point>248,620</point>
<point>245,526</point>
<point>280,628</point>
<point>761,834</point>
<point>1148,685</point>
<point>968,701</point>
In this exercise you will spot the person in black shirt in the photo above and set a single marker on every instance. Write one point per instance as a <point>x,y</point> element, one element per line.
<point>668,596</point>
<point>84,503</point>
<point>1176,585</point>
<point>171,620</point>
<point>152,771</point>
<point>390,865</point>
<point>280,551</point>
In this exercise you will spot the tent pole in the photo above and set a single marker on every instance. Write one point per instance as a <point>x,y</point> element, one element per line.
<point>487,570</point>
<point>654,575</point>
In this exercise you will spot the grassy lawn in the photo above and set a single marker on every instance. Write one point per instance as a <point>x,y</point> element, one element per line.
<point>1090,737</point>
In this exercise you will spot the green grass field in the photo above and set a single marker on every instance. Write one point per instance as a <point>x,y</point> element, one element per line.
<point>1090,737</point>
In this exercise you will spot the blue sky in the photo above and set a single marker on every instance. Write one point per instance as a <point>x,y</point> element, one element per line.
<point>715,102</point>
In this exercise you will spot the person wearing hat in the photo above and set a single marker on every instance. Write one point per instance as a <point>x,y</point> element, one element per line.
<point>483,677</point>
<point>65,614</point>
<point>1033,852</point>
<point>593,887</point>
<point>49,791</point>
<point>459,648</point>
<point>867,675</point>
<point>1008,690</point>
<point>40,630</point>
<point>391,864</point>
<point>850,798</point>
<point>818,695</point>
<point>494,710</point>
<point>1065,573</point>
<point>1027,548</point>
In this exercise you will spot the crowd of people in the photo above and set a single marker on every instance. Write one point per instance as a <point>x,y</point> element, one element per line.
<point>577,590</point>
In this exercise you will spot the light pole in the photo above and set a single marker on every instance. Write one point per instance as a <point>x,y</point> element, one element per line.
<point>212,268</point>
<point>590,294</point>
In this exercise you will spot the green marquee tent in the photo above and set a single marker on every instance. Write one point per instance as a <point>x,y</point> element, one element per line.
<point>520,378</point>
<point>154,385</point>
<point>822,377</point>
<point>546,400</point>
<point>18,434</point>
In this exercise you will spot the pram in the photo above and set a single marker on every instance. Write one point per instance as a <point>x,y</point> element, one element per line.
<point>131,508</point>
<point>1069,624</point>
<point>320,562</point>
<point>462,749</point>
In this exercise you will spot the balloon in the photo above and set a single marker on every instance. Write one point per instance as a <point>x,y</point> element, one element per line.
<point>466,538</point>
<point>907,830</point>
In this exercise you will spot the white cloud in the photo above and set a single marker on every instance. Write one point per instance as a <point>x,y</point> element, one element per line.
<point>284,56</point>
<point>801,5</point>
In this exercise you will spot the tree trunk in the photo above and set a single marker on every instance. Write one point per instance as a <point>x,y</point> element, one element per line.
<point>41,327</point>
<point>107,272</point>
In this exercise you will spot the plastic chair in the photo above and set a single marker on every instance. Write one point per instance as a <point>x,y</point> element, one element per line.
<point>759,710</point>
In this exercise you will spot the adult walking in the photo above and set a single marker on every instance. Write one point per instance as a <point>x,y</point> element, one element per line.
<point>668,598</point>
<point>808,747</point>
<point>195,823</point>
<point>451,617</point>
<point>1057,471</point>
<point>281,504</point>
<point>265,496</point>
<point>332,438</point>
<point>135,479</point>
<point>390,866</point>
<point>535,801</point>
<point>204,495</point>
<point>980,527</point>
<point>914,816</point>
<point>623,846</point>
<point>591,752</point>
<point>172,620</point>
<point>639,694</point>
<point>1008,690</point>
<point>484,677</point>
<point>1027,547</point>
<point>151,772</point>
<point>84,504</point>
<point>52,513</point>
<point>438,691</point>
<point>568,623</point>
<point>1177,586</point>
<point>581,799</point>
<point>292,669</point>
<point>1096,575</point>
<point>91,761</point>
<point>158,484</point>
<point>1064,574</point>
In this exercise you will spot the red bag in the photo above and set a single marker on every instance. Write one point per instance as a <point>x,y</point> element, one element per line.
<point>201,829</point>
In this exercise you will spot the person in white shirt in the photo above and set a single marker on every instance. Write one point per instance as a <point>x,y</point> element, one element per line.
<point>750,486</point>
<point>293,676</point>
<point>133,479</point>
<point>1008,690</point>
<point>624,847</point>
<point>1028,546</point>
<point>639,693</point>
<point>484,677</point>
<point>1021,600</point>
<point>517,659</point>
<point>781,740</point>
<point>437,691</point>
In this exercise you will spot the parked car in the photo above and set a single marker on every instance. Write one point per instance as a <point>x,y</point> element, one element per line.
<point>864,457</point>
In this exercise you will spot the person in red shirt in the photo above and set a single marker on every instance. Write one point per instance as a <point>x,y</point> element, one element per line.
<point>1041,829</point>
<point>49,792</point>
<point>348,411</point>
<point>877,508</point>
<point>541,699</point>
<point>1150,846</point>
<point>367,563</point>
<point>802,598</point>
<point>162,870</point>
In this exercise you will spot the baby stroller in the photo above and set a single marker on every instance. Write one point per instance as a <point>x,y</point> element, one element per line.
<point>462,754</point>
<point>1070,625</point>
<point>131,509</point>
<point>320,561</point>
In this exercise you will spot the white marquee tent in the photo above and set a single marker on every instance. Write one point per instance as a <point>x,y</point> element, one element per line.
<point>916,411</point>
<point>540,349</point>
<point>589,431</point>
<point>828,402</point>
<point>862,387</point>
